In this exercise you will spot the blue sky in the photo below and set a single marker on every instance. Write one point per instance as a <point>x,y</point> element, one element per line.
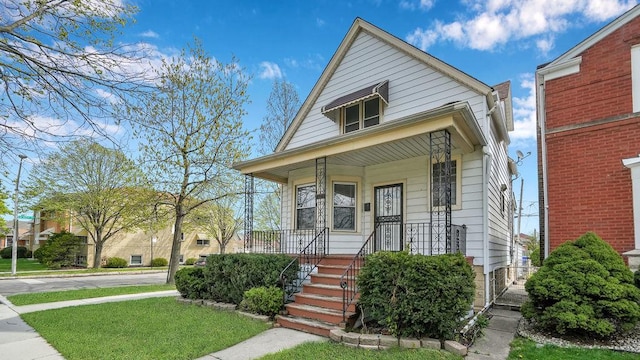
<point>491,40</point>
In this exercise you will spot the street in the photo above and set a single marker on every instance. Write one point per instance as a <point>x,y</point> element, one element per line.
<point>19,286</point>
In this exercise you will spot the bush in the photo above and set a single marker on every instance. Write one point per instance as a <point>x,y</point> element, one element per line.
<point>21,253</point>
<point>116,262</point>
<point>584,289</point>
<point>191,284</point>
<point>60,250</point>
<point>263,300</point>
<point>37,254</point>
<point>415,295</point>
<point>159,262</point>
<point>190,261</point>
<point>230,275</point>
<point>636,278</point>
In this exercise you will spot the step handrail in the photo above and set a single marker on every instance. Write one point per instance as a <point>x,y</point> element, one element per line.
<point>312,254</point>
<point>348,278</point>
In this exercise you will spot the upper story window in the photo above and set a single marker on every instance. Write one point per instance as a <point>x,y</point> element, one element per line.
<point>359,109</point>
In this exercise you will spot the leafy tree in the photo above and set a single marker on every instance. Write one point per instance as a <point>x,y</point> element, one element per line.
<point>60,250</point>
<point>100,188</point>
<point>4,209</point>
<point>62,69</point>
<point>533,247</point>
<point>282,107</point>
<point>191,133</point>
<point>218,220</point>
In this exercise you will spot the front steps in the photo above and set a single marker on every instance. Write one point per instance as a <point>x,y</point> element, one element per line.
<point>318,308</point>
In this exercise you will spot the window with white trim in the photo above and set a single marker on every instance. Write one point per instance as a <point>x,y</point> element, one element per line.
<point>135,260</point>
<point>305,207</point>
<point>344,206</point>
<point>438,180</point>
<point>203,242</point>
<point>360,115</point>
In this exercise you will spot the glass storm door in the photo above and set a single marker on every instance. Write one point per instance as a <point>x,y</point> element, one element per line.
<point>388,217</point>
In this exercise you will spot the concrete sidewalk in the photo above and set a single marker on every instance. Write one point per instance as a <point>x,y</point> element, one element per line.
<point>494,343</point>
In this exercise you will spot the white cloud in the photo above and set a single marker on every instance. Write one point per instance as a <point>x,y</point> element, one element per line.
<point>319,22</point>
<point>491,24</point>
<point>423,5</point>
<point>524,111</point>
<point>150,34</point>
<point>270,71</point>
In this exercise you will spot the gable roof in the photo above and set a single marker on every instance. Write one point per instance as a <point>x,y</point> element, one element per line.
<point>358,26</point>
<point>595,37</point>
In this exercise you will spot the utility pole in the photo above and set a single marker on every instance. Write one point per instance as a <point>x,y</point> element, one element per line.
<point>520,210</point>
<point>14,245</point>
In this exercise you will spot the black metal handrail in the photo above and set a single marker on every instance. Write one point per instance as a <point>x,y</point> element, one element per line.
<point>307,260</point>
<point>348,278</point>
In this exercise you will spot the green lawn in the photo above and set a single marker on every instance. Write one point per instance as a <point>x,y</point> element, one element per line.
<point>527,349</point>
<point>157,328</point>
<point>21,265</point>
<point>333,351</point>
<point>53,296</point>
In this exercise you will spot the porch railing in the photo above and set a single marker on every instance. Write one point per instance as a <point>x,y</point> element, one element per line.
<point>306,261</point>
<point>417,238</point>
<point>279,241</point>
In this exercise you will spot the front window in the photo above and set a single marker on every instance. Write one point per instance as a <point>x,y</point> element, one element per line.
<point>362,115</point>
<point>136,260</point>
<point>344,206</point>
<point>305,207</point>
<point>438,176</point>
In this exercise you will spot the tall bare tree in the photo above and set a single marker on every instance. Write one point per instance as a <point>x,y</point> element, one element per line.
<point>191,132</point>
<point>100,188</point>
<point>282,107</point>
<point>61,69</point>
<point>219,220</point>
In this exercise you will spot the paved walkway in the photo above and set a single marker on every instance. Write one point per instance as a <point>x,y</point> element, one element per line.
<point>495,340</point>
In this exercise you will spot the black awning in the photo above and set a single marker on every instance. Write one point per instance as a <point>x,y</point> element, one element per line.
<point>380,89</point>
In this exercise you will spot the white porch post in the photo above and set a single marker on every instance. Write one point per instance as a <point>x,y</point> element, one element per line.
<point>634,255</point>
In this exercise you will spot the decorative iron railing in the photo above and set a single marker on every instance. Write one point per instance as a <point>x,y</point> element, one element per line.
<point>307,260</point>
<point>279,241</point>
<point>417,238</point>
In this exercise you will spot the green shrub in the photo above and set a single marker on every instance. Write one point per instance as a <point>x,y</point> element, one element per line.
<point>190,261</point>
<point>636,278</point>
<point>60,250</point>
<point>116,262</point>
<point>37,254</point>
<point>21,253</point>
<point>159,262</point>
<point>535,257</point>
<point>191,284</point>
<point>230,275</point>
<point>263,300</point>
<point>584,289</point>
<point>416,295</point>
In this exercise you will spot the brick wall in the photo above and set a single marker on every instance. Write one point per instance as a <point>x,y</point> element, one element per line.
<point>590,129</point>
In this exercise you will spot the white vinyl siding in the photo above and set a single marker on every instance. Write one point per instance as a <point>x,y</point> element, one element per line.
<point>413,87</point>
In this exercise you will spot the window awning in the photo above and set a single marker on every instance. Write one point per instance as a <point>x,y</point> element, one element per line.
<point>380,90</point>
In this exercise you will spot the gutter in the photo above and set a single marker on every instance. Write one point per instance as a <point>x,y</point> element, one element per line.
<point>543,150</point>
<point>486,166</point>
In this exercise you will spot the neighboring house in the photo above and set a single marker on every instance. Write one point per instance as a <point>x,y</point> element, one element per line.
<point>138,247</point>
<point>24,234</point>
<point>589,130</point>
<point>399,150</point>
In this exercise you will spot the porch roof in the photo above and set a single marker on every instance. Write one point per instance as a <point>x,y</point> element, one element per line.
<point>395,140</point>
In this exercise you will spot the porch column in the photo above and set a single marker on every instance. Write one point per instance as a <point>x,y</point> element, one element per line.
<point>321,198</point>
<point>440,216</point>
<point>634,255</point>
<point>249,191</point>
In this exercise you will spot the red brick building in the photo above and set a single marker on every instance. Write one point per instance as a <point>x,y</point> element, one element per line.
<point>589,139</point>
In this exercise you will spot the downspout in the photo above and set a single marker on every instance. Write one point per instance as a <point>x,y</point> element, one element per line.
<point>543,150</point>
<point>486,166</point>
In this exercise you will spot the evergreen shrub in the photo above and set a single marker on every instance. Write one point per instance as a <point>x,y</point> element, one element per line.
<point>191,284</point>
<point>584,289</point>
<point>60,250</point>
<point>190,261</point>
<point>416,295</point>
<point>116,262</point>
<point>263,300</point>
<point>159,262</point>
<point>21,252</point>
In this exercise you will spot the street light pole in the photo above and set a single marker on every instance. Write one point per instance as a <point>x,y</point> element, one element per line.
<point>14,245</point>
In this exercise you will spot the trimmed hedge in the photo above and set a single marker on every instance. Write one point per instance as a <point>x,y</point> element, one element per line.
<point>263,300</point>
<point>190,261</point>
<point>230,275</point>
<point>416,295</point>
<point>191,284</point>
<point>159,262</point>
<point>21,253</point>
<point>116,262</point>
<point>585,289</point>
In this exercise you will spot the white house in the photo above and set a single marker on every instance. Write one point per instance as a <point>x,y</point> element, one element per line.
<point>394,149</point>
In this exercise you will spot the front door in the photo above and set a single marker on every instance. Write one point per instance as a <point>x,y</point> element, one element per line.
<point>388,217</point>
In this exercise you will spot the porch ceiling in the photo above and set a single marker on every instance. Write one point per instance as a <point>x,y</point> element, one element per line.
<point>396,140</point>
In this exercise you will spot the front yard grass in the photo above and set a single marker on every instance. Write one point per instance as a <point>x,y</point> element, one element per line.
<point>157,328</point>
<point>527,349</point>
<point>21,265</point>
<point>332,351</point>
<point>53,296</point>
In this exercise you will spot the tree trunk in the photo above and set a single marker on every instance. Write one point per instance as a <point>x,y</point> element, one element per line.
<point>97,255</point>
<point>174,262</point>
